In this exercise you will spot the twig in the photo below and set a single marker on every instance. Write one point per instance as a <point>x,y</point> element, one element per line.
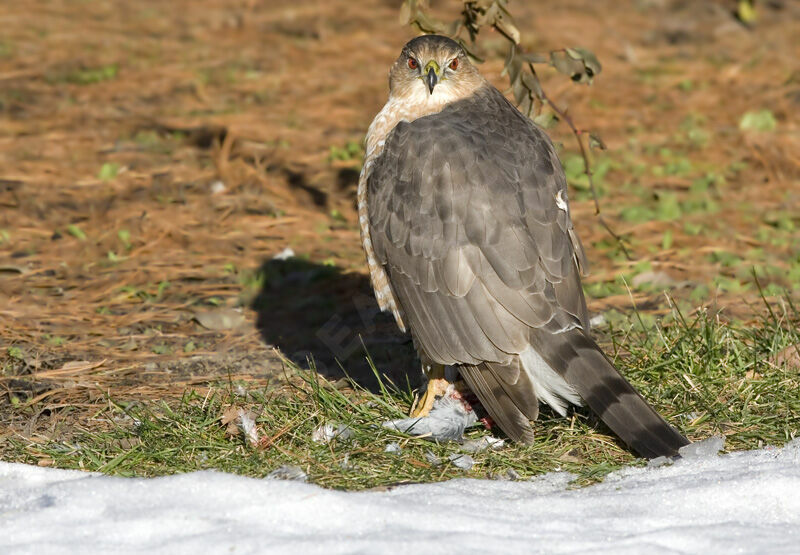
<point>562,114</point>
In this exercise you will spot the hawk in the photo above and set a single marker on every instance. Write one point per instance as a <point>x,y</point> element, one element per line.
<point>462,204</point>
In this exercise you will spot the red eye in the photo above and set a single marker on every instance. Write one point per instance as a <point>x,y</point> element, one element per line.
<point>454,64</point>
<point>412,63</point>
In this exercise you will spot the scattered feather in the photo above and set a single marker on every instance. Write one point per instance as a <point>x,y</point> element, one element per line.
<point>464,462</point>
<point>432,459</point>
<point>597,320</point>
<point>247,424</point>
<point>288,472</point>
<point>393,448</point>
<point>482,443</point>
<point>285,254</point>
<point>241,421</point>
<point>327,432</point>
<point>218,187</point>
<point>345,463</point>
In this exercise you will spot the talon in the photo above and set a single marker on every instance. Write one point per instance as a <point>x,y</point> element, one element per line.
<point>437,387</point>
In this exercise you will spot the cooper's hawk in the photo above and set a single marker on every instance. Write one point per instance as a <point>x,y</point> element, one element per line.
<point>464,218</point>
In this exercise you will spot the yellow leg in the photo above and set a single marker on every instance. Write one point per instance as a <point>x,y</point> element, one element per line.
<point>437,385</point>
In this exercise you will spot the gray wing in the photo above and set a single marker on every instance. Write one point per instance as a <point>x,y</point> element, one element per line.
<point>467,211</point>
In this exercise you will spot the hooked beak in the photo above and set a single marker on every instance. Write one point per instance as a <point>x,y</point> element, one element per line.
<point>431,78</point>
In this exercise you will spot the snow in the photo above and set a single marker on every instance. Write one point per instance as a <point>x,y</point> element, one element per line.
<point>744,502</point>
<point>706,448</point>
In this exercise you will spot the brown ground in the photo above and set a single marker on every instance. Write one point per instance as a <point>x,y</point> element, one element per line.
<point>154,155</point>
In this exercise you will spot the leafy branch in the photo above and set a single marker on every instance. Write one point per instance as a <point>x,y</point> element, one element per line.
<point>579,64</point>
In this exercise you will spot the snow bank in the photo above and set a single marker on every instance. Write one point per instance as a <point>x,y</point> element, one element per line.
<point>743,502</point>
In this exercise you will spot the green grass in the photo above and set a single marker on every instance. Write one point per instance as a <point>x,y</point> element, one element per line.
<point>84,75</point>
<point>706,376</point>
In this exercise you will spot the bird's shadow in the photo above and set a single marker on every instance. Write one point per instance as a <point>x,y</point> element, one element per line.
<point>318,314</point>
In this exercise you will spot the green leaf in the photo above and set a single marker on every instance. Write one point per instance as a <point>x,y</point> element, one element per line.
<point>596,142</point>
<point>76,232</point>
<point>730,285</point>
<point>699,293</point>
<point>747,11</point>
<point>637,214</point>
<point>761,120</point>
<point>108,171</point>
<point>574,167</point>
<point>668,207</point>
<point>161,349</point>
<point>725,258</point>
<point>163,286</point>
<point>666,241</point>
<point>125,237</point>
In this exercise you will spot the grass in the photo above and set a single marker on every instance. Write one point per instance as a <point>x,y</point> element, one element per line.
<point>84,75</point>
<point>704,375</point>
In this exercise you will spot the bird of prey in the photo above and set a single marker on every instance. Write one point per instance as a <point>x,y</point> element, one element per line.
<point>462,204</point>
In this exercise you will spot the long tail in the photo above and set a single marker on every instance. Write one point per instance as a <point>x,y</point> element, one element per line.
<point>506,392</point>
<point>583,365</point>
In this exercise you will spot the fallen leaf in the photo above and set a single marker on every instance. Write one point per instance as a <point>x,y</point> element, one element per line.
<point>220,319</point>
<point>788,357</point>
<point>239,421</point>
<point>71,367</point>
<point>230,415</point>
<point>11,269</point>
<point>80,365</point>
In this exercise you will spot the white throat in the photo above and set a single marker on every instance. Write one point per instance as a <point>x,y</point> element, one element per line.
<point>416,104</point>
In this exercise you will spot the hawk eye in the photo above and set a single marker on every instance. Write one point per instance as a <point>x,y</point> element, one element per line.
<point>454,63</point>
<point>412,63</point>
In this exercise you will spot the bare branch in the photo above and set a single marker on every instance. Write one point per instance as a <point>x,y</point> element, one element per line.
<point>579,134</point>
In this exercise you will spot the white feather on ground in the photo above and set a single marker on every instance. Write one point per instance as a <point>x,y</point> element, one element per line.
<point>447,420</point>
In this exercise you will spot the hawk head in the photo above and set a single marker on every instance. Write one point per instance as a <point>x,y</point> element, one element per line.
<point>433,69</point>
